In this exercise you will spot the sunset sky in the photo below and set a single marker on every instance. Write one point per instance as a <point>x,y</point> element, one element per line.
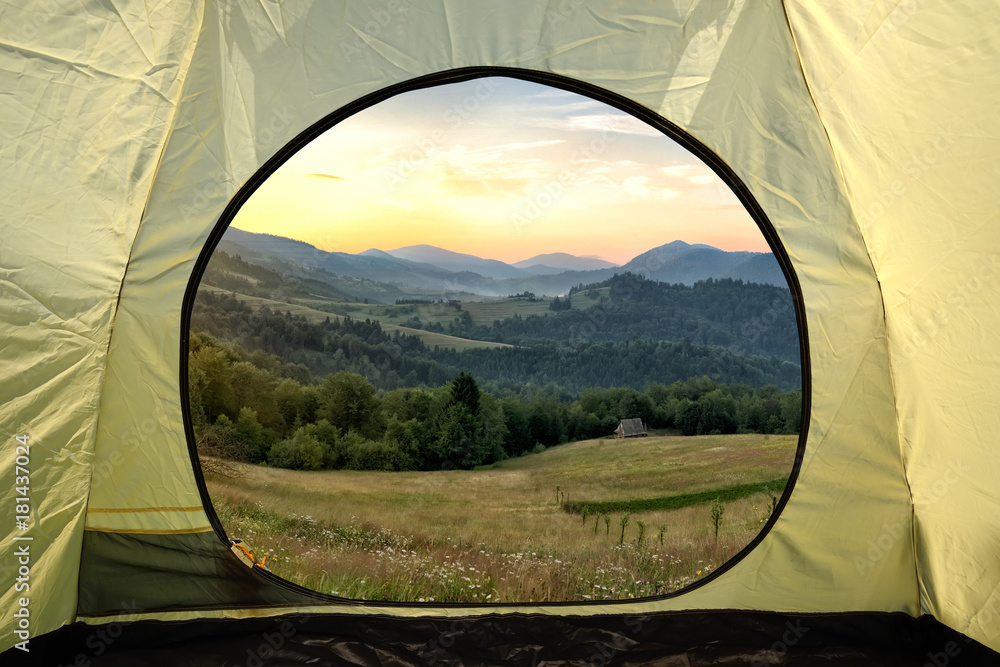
<point>502,169</point>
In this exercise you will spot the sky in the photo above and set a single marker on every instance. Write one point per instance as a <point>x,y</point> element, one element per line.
<point>502,169</point>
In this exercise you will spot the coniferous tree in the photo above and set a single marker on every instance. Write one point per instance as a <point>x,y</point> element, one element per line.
<point>465,391</point>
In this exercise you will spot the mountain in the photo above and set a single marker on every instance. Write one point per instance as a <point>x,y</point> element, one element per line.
<point>761,268</point>
<point>680,262</point>
<point>557,262</point>
<point>373,265</point>
<point>298,252</point>
<point>676,262</point>
<point>375,252</point>
<point>456,261</point>
<point>435,273</point>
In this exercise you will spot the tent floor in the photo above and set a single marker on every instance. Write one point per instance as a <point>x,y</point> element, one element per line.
<point>689,639</point>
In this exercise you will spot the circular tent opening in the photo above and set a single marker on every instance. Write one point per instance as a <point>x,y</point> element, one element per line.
<point>494,341</point>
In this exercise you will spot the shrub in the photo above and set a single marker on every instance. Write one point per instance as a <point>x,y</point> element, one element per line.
<point>718,509</point>
<point>327,436</point>
<point>359,453</point>
<point>217,448</point>
<point>253,441</point>
<point>300,452</point>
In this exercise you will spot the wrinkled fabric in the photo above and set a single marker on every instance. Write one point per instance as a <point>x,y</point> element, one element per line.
<point>865,132</point>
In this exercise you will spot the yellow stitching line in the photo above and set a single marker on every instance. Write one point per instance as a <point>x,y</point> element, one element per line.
<point>112,510</point>
<point>148,532</point>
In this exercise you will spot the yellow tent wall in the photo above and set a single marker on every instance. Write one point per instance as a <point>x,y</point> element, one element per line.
<point>907,93</point>
<point>131,128</point>
<point>88,102</point>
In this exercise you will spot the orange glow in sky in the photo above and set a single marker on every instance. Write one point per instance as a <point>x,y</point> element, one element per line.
<point>502,169</point>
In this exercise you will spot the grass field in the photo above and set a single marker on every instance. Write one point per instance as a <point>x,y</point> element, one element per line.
<point>430,338</point>
<point>502,534</point>
<point>483,312</point>
<point>486,312</point>
<point>391,316</point>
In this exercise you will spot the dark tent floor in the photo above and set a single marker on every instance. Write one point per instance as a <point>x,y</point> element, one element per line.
<point>689,639</point>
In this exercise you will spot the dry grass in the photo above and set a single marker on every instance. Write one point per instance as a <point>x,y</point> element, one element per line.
<point>498,534</point>
<point>429,338</point>
<point>483,312</point>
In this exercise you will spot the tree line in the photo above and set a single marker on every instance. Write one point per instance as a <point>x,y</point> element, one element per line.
<point>398,361</point>
<point>746,318</point>
<point>259,408</point>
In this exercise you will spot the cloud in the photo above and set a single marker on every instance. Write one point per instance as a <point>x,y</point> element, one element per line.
<point>644,187</point>
<point>619,122</point>
<point>561,110</point>
<point>628,164</point>
<point>523,145</point>
<point>677,170</point>
<point>636,185</point>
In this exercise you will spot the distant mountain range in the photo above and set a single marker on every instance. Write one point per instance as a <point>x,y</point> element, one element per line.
<point>557,262</point>
<point>680,262</point>
<point>441,273</point>
<point>457,262</point>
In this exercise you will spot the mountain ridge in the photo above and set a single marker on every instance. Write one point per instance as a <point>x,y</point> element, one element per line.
<point>562,261</point>
<point>441,273</point>
<point>457,261</point>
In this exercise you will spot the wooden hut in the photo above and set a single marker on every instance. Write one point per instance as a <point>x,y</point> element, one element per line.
<point>631,428</point>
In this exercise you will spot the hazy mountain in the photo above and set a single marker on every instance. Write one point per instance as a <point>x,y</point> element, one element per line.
<point>257,245</point>
<point>760,268</point>
<point>438,273</point>
<point>456,261</point>
<point>557,262</point>
<point>676,262</point>
<point>375,252</point>
<point>372,265</point>
<point>680,262</point>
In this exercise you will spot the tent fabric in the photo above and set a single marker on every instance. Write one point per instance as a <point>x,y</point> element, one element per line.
<point>118,570</point>
<point>866,132</point>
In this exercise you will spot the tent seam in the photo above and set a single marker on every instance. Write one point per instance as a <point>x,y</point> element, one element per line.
<point>885,327</point>
<point>181,80</point>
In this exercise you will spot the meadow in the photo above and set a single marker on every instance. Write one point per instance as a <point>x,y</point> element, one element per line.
<point>392,317</point>
<point>337,309</point>
<point>514,531</point>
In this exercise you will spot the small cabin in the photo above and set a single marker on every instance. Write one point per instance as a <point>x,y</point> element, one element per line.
<point>631,428</point>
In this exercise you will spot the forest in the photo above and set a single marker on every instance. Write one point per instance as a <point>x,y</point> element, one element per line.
<point>258,408</point>
<point>746,318</point>
<point>400,360</point>
<point>717,357</point>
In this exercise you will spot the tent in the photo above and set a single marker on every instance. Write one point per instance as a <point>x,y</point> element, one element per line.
<point>863,136</point>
